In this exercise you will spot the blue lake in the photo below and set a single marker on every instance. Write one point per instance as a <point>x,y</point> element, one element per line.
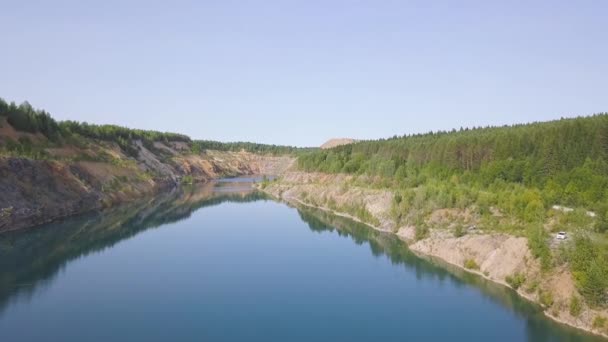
<point>224,263</point>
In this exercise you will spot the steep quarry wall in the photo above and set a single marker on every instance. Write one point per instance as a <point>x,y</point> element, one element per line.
<point>73,180</point>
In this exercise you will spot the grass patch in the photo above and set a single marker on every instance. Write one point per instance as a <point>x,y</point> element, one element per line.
<point>546,298</point>
<point>576,306</point>
<point>357,209</point>
<point>459,231</point>
<point>422,231</point>
<point>599,322</point>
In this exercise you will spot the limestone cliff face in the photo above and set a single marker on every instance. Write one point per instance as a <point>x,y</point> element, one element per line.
<point>43,180</point>
<point>172,160</point>
<point>34,192</point>
<point>74,180</point>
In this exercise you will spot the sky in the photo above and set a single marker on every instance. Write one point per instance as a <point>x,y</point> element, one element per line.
<point>301,72</point>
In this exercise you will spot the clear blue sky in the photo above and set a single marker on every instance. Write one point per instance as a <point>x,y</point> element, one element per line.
<point>300,72</point>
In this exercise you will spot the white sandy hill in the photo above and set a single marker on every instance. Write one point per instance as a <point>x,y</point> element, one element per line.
<point>331,143</point>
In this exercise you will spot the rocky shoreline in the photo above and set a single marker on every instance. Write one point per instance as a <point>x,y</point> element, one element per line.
<point>494,256</point>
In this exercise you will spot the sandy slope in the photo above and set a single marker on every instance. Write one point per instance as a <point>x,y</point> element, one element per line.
<point>337,142</point>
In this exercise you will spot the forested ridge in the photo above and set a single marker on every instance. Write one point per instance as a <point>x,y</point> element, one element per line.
<point>25,118</point>
<point>567,158</point>
<point>248,146</point>
<point>510,177</point>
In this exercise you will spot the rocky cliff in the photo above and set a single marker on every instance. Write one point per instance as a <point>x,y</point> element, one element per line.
<point>38,191</point>
<point>41,181</point>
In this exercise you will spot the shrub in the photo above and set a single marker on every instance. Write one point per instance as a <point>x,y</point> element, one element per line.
<point>537,241</point>
<point>533,286</point>
<point>599,322</point>
<point>331,203</point>
<point>459,231</point>
<point>360,211</point>
<point>534,211</point>
<point>470,264</point>
<point>589,269</point>
<point>601,225</point>
<point>6,212</point>
<point>365,215</point>
<point>546,298</point>
<point>516,280</point>
<point>575,306</point>
<point>422,231</point>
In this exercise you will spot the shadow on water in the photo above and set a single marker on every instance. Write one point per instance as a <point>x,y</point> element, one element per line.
<point>538,327</point>
<point>30,259</point>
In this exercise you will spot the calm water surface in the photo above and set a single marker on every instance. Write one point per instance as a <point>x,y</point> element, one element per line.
<point>224,263</point>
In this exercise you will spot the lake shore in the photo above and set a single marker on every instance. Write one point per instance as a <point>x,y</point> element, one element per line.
<point>493,256</point>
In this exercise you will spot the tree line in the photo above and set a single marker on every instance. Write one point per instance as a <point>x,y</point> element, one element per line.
<point>522,170</point>
<point>247,146</point>
<point>566,158</point>
<point>25,118</point>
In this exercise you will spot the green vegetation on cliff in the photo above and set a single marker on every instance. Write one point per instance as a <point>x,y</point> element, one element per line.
<point>25,118</point>
<point>511,177</point>
<point>51,169</point>
<point>565,160</point>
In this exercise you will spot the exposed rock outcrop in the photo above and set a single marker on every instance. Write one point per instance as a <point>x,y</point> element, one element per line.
<point>331,143</point>
<point>33,192</point>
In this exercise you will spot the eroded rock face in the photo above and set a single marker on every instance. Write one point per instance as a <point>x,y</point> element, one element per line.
<point>330,192</point>
<point>498,255</point>
<point>172,161</point>
<point>33,192</point>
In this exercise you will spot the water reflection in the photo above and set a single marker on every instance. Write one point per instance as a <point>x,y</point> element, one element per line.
<point>538,327</point>
<point>30,259</point>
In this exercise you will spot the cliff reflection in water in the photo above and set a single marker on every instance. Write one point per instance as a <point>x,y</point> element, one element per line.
<point>33,259</point>
<point>30,259</point>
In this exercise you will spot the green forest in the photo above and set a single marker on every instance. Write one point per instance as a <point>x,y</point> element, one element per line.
<point>25,118</point>
<point>521,170</point>
<point>248,146</point>
<point>564,161</point>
